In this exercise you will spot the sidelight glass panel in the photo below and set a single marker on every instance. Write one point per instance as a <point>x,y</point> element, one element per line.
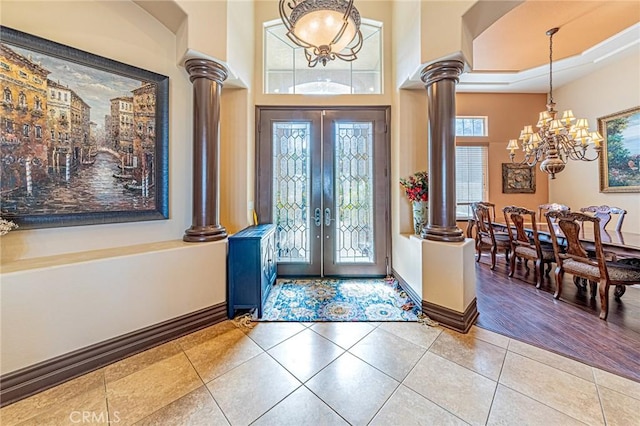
<point>291,191</point>
<point>354,193</point>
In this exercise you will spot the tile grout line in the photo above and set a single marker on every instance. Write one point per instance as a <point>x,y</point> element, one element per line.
<point>106,397</point>
<point>604,415</point>
<point>421,395</point>
<point>278,402</point>
<point>325,403</point>
<point>205,383</point>
<point>314,374</point>
<point>537,400</point>
<point>495,391</point>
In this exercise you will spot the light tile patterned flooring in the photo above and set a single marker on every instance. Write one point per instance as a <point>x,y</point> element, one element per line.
<point>336,374</point>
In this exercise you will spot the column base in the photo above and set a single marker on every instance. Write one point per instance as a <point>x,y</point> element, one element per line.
<point>202,234</point>
<point>449,318</point>
<point>449,234</point>
<point>449,283</point>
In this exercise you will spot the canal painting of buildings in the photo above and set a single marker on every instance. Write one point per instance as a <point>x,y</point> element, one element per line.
<point>74,139</point>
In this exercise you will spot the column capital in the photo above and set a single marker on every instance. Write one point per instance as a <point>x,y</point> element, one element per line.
<point>205,68</point>
<point>442,70</point>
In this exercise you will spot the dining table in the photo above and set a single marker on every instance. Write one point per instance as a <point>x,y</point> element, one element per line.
<point>625,244</point>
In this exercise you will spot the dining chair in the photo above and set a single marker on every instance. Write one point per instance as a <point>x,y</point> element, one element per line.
<point>551,207</point>
<point>472,222</point>
<point>604,213</point>
<point>597,270</point>
<point>487,238</point>
<point>526,245</point>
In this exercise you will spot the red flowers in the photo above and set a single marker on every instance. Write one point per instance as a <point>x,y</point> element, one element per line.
<point>416,186</point>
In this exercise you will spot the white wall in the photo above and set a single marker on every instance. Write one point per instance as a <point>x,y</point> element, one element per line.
<point>613,88</point>
<point>52,301</point>
<point>50,311</point>
<point>124,32</point>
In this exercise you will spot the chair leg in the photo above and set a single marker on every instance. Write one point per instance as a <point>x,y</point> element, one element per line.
<point>604,299</point>
<point>619,291</point>
<point>512,265</point>
<point>559,275</point>
<point>493,257</point>
<point>593,287</point>
<point>537,272</point>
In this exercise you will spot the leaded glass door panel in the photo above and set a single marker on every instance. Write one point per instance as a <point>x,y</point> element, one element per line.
<point>323,180</point>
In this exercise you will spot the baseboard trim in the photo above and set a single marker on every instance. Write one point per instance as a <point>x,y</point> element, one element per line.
<point>461,322</point>
<point>407,288</point>
<point>44,375</point>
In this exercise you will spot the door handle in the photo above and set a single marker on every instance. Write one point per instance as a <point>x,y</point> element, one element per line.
<point>327,216</point>
<point>317,217</point>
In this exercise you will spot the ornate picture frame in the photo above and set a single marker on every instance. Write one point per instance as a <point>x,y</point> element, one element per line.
<point>84,139</point>
<point>620,157</point>
<point>518,179</point>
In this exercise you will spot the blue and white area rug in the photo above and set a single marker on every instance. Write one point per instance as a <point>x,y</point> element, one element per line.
<point>339,300</point>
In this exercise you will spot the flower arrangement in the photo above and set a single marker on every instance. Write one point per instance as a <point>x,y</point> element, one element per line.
<point>416,186</point>
<point>6,226</point>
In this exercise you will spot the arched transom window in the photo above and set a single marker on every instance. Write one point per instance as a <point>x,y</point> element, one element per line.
<point>286,70</point>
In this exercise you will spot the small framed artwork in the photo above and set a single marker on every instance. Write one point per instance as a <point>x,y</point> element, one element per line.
<point>620,157</point>
<point>83,139</point>
<point>518,179</point>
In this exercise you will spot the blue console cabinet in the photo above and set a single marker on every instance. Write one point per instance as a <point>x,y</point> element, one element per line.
<point>252,268</point>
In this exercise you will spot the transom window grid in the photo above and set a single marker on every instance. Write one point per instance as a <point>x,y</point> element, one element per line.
<point>286,70</point>
<point>472,171</point>
<point>471,126</point>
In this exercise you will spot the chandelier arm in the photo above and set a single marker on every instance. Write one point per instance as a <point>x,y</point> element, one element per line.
<point>352,55</point>
<point>579,152</point>
<point>345,23</point>
<point>311,60</point>
<point>283,15</point>
<point>300,42</point>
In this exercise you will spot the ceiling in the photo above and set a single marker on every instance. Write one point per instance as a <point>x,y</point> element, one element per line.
<point>512,55</point>
<point>518,41</point>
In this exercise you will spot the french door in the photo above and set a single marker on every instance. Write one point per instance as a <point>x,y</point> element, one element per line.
<point>323,179</point>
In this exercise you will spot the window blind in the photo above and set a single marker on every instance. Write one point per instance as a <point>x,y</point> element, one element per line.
<point>471,178</point>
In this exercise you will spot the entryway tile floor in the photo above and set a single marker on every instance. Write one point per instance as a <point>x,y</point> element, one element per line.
<point>391,373</point>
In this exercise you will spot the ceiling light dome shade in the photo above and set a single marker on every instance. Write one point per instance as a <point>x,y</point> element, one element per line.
<point>324,28</point>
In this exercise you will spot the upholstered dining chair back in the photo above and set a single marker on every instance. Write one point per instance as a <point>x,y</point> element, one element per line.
<point>525,243</point>
<point>486,236</point>
<point>551,207</point>
<point>605,214</point>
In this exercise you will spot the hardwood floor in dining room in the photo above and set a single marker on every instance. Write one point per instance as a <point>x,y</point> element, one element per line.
<point>569,326</point>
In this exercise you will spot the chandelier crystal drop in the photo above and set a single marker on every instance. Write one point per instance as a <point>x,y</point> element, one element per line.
<point>555,140</point>
<point>326,29</point>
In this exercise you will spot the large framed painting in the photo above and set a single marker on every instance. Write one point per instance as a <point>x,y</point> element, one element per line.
<point>518,179</point>
<point>620,158</point>
<point>84,139</point>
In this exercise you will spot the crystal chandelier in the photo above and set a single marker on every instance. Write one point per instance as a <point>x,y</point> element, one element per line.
<point>326,29</point>
<point>556,140</point>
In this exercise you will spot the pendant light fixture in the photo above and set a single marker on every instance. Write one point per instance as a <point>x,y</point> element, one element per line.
<point>326,29</point>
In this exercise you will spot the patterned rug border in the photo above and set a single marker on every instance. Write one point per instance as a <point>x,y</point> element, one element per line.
<point>339,300</point>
